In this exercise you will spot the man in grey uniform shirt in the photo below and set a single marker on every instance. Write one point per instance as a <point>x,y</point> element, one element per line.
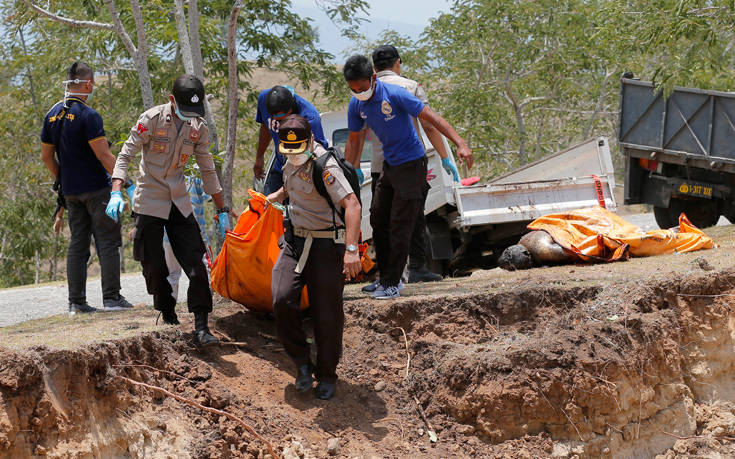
<point>318,249</point>
<point>169,134</point>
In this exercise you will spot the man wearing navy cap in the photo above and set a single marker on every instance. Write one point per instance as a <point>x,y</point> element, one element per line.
<point>169,135</point>
<point>273,106</point>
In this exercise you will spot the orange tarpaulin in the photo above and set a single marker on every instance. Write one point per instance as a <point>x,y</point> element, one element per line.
<point>598,234</point>
<point>242,270</point>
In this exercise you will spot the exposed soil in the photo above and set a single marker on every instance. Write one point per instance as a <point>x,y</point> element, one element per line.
<point>631,359</point>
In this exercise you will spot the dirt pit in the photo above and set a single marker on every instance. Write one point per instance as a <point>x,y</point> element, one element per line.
<point>564,362</point>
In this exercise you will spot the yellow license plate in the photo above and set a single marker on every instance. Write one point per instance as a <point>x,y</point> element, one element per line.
<point>693,189</point>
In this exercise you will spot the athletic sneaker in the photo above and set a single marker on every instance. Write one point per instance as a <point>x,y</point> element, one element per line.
<point>379,289</point>
<point>370,288</point>
<point>387,293</point>
<point>117,305</point>
<point>82,308</point>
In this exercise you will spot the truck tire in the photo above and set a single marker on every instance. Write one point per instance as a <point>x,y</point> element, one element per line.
<point>702,213</point>
<point>663,218</point>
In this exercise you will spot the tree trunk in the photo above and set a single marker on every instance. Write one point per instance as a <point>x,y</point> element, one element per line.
<point>232,98</point>
<point>191,54</point>
<point>141,56</point>
<point>183,36</point>
<point>138,54</point>
<point>196,45</point>
<point>54,259</point>
<point>31,87</point>
<point>598,105</point>
<point>38,268</point>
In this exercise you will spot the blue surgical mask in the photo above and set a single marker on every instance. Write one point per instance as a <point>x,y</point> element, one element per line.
<point>182,117</point>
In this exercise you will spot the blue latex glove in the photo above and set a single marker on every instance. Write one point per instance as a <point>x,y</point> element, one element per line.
<point>224,223</point>
<point>131,194</point>
<point>450,168</point>
<point>360,175</point>
<point>115,206</point>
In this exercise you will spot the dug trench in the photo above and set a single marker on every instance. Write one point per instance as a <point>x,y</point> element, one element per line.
<point>533,369</point>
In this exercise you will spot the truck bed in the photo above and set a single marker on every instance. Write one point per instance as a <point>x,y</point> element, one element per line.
<point>564,181</point>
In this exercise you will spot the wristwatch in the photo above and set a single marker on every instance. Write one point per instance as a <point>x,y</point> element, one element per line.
<point>225,209</point>
<point>352,248</point>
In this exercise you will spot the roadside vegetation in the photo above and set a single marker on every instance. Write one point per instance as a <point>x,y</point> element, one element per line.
<point>519,80</point>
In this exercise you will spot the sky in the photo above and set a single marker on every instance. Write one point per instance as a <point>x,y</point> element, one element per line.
<point>408,17</point>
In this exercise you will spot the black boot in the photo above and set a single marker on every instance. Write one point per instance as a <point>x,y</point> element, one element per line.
<point>304,380</point>
<point>422,274</point>
<point>202,335</point>
<point>170,317</point>
<point>324,390</point>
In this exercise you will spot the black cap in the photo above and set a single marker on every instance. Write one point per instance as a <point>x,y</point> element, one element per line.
<point>385,56</point>
<point>294,134</point>
<point>280,100</point>
<point>189,95</point>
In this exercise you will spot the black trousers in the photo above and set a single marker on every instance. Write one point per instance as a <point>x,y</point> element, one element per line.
<point>417,247</point>
<point>87,218</point>
<point>399,197</point>
<point>188,248</point>
<point>324,281</point>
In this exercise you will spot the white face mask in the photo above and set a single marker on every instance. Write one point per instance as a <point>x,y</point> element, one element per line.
<point>298,160</point>
<point>68,93</point>
<point>365,95</point>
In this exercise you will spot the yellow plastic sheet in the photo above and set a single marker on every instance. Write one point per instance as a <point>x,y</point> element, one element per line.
<point>596,234</point>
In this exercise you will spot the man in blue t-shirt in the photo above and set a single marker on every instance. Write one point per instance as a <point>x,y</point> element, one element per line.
<point>387,109</point>
<point>273,105</point>
<point>75,133</point>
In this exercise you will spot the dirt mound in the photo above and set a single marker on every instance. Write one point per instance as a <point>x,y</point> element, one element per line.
<point>635,369</point>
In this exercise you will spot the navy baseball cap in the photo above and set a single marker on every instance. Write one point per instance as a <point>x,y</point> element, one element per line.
<point>189,95</point>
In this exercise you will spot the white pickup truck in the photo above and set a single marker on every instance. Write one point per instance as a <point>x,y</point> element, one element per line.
<point>469,226</point>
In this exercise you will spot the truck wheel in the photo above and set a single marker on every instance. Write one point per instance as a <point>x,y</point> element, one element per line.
<point>663,218</point>
<point>702,213</point>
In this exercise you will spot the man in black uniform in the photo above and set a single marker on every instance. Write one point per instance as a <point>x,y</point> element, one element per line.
<point>74,132</point>
<point>319,247</point>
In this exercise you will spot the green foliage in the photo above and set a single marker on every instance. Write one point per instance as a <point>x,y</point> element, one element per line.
<point>269,35</point>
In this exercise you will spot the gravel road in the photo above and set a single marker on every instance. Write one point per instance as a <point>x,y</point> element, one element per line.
<point>33,302</point>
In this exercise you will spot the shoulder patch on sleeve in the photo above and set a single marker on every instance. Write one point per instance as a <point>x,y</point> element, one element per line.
<point>141,128</point>
<point>328,177</point>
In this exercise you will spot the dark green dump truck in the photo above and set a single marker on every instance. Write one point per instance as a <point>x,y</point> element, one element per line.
<point>679,152</point>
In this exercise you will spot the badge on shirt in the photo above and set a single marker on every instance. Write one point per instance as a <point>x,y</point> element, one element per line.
<point>141,128</point>
<point>183,160</point>
<point>328,177</point>
<point>159,147</point>
<point>161,132</point>
<point>194,135</point>
<point>386,108</point>
<point>305,176</point>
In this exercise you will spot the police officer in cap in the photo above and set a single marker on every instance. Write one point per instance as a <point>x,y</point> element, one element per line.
<point>318,249</point>
<point>169,134</point>
<point>273,106</point>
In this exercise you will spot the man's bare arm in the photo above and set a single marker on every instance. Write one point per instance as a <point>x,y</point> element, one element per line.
<point>49,159</point>
<point>264,139</point>
<point>352,148</point>
<point>435,137</point>
<point>102,151</point>
<point>463,151</point>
